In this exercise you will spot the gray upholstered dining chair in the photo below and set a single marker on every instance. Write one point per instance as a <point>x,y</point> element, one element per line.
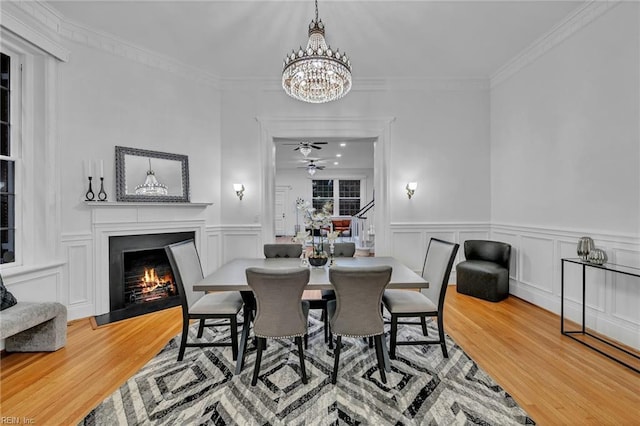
<point>187,271</point>
<point>282,250</point>
<point>339,250</point>
<point>280,312</point>
<point>356,310</point>
<point>406,303</point>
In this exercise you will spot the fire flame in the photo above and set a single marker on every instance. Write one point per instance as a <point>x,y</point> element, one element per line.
<point>152,281</point>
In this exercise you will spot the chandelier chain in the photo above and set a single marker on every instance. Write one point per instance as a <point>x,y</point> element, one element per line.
<point>316,10</point>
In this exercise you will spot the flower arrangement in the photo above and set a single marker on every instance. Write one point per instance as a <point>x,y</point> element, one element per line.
<point>314,220</point>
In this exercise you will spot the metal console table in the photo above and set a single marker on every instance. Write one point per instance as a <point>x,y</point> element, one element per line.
<point>618,269</point>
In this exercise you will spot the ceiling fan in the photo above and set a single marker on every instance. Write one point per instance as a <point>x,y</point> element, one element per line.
<point>305,147</point>
<point>312,167</point>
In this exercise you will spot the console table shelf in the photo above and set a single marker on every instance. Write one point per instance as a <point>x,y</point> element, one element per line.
<point>612,267</point>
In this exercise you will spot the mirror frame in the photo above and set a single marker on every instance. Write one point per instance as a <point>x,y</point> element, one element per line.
<point>121,178</point>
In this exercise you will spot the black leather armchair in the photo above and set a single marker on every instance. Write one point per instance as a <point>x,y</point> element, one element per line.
<point>485,272</point>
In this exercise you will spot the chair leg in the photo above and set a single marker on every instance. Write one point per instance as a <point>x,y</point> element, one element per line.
<point>330,338</point>
<point>201,328</point>
<point>243,340</point>
<point>336,361</point>
<point>303,370</point>
<point>370,342</point>
<point>443,343</point>
<point>306,341</point>
<point>183,339</point>
<point>326,324</point>
<point>423,321</point>
<point>234,337</point>
<point>394,336</point>
<point>256,368</point>
<point>380,357</point>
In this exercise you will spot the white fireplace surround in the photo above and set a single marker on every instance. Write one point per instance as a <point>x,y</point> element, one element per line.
<point>121,219</point>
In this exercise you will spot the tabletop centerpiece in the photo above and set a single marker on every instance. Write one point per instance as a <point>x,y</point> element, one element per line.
<point>316,221</point>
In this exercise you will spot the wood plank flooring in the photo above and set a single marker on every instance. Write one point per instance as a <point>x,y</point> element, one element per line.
<point>555,379</point>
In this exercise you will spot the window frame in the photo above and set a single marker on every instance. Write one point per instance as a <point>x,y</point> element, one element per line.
<point>16,101</point>
<point>336,193</point>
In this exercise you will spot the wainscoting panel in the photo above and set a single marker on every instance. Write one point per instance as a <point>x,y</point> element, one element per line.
<point>241,241</point>
<point>612,300</point>
<point>37,285</point>
<point>77,274</point>
<point>409,246</point>
<point>409,241</point>
<point>214,250</point>
<point>536,262</point>
<point>625,303</point>
<point>514,241</point>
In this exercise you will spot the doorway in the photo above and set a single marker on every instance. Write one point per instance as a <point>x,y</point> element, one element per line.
<point>378,128</point>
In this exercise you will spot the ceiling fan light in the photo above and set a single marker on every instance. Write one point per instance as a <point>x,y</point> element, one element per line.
<point>311,170</point>
<point>305,150</point>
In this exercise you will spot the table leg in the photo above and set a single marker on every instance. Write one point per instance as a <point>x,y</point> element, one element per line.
<point>584,295</point>
<point>243,341</point>
<point>562,296</point>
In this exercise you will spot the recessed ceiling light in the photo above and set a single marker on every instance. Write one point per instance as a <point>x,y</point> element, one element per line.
<point>335,163</point>
<point>338,155</point>
<point>343,144</point>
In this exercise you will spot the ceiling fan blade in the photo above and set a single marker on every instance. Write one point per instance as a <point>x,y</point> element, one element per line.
<point>316,147</point>
<point>296,149</point>
<point>319,143</point>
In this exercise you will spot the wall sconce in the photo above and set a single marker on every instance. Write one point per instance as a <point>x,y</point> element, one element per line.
<point>239,188</point>
<point>411,188</point>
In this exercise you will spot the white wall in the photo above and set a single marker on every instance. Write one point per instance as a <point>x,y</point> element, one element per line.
<point>440,138</point>
<point>565,162</point>
<point>107,100</point>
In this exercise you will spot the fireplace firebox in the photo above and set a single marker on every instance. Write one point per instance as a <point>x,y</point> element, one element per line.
<point>140,277</point>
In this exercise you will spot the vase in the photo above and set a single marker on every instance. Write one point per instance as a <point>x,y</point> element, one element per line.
<point>318,261</point>
<point>597,256</point>
<point>585,245</point>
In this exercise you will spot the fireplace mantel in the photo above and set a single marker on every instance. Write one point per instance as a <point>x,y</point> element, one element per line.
<point>100,204</point>
<point>133,218</point>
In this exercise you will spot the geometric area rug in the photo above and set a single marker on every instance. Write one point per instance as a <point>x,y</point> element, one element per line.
<point>423,388</point>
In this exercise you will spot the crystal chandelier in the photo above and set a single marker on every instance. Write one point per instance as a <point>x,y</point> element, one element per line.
<point>318,74</point>
<point>151,186</point>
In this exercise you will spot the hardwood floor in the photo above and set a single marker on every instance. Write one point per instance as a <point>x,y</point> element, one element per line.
<point>556,380</point>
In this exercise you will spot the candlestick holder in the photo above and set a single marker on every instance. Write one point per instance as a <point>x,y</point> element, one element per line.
<point>102,195</point>
<point>90,196</point>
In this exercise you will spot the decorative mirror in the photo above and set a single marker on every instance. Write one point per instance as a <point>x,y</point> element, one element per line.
<point>151,176</point>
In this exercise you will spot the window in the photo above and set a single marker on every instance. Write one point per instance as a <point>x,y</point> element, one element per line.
<point>344,193</point>
<point>349,197</point>
<point>7,164</point>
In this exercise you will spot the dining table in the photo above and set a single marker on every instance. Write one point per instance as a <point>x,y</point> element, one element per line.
<point>231,276</point>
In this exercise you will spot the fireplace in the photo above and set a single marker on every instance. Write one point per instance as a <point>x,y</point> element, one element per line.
<point>140,276</point>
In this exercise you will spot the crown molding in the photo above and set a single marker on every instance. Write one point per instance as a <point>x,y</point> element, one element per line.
<point>35,24</point>
<point>53,21</point>
<point>79,33</point>
<point>573,23</point>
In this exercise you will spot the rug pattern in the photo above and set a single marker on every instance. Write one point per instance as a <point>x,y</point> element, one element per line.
<point>423,387</point>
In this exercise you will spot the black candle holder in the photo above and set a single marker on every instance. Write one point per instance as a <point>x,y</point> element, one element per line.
<point>102,195</point>
<point>90,196</point>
